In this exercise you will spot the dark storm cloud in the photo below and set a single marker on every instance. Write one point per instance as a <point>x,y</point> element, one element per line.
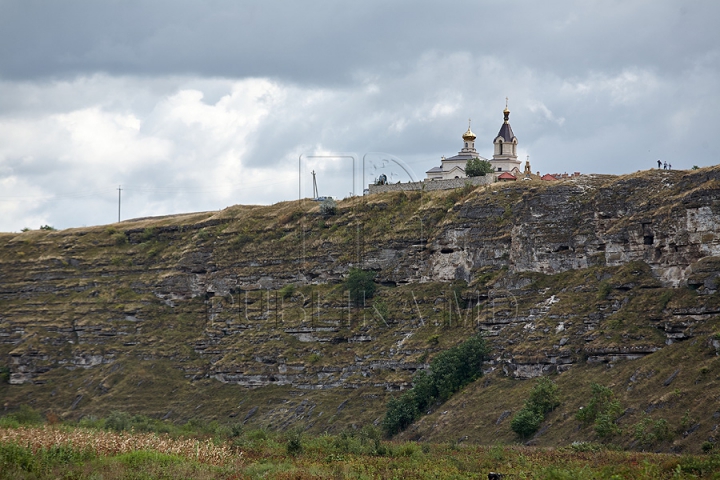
<point>326,42</point>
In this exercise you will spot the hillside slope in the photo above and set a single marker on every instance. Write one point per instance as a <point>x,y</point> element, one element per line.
<point>241,315</point>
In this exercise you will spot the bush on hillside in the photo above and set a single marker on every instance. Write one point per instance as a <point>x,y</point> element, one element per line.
<point>544,398</point>
<point>361,285</point>
<point>449,372</point>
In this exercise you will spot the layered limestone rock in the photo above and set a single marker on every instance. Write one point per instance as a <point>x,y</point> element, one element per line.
<point>204,291</point>
<point>668,220</point>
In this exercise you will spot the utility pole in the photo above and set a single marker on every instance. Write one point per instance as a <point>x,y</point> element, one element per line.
<point>315,189</point>
<point>119,200</point>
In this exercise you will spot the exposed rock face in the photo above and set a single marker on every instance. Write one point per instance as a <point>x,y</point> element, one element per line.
<point>204,292</point>
<point>668,220</point>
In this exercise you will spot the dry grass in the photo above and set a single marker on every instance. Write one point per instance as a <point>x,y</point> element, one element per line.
<point>104,443</point>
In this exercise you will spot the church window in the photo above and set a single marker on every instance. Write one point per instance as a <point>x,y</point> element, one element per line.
<point>499,169</point>
<point>465,144</point>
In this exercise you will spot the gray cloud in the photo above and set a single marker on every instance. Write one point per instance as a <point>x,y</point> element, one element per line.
<point>196,106</point>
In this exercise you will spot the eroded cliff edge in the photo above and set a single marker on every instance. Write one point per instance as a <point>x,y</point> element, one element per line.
<point>195,314</point>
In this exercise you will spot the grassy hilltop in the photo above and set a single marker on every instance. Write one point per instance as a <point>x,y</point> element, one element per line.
<point>242,315</point>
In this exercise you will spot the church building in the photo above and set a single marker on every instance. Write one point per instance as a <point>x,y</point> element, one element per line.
<point>504,157</point>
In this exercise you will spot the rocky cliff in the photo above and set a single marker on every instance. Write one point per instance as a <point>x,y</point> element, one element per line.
<point>243,312</point>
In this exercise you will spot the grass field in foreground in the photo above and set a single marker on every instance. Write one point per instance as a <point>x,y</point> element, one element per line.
<point>44,452</point>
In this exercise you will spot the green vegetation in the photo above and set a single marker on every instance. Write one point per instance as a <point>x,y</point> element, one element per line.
<point>602,411</point>
<point>649,432</point>
<point>25,415</point>
<point>287,291</point>
<point>604,290</point>
<point>450,370</point>
<point>476,167</point>
<point>294,441</point>
<point>361,285</point>
<point>544,398</point>
<point>66,452</point>
<point>174,327</point>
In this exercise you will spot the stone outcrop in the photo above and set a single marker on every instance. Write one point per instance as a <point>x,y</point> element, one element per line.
<point>206,292</point>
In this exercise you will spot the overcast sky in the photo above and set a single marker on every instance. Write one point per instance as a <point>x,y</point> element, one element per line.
<point>195,106</point>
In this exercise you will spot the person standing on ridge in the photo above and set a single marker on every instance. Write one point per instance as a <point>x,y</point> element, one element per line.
<point>659,164</point>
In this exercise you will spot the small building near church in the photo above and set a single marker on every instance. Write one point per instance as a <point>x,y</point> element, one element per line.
<point>506,177</point>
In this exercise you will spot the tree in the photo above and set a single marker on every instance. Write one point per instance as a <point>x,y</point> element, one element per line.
<point>449,372</point>
<point>543,400</point>
<point>401,412</point>
<point>361,285</point>
<point>526,422</point>
<point>477,168</point>
<point>544,396</point>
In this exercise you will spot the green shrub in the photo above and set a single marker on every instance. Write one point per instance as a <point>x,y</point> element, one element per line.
<point>119,239</point>
<point>401,412</point>
<point>26,415</point>
<point>118,421</point>
<point>293,445</point>
<point>664,299</point>
<point>241,240</point>
<point>48,228</point>
<point>4,375</point>
<point>605,422</point>
<point>526,422</point>
<point>544,398</point>
<point>203,234</point>
<point>382,309</point>
<point>287,291</point>
<point>602,410</point>
<point>9,421</point>
<point>13,456</point>
<point>648,432</point>
<point>361,285</point>
<point>449,371</point>
<point>236,430</point>
<point>148,234</point>
<point>600,398</point>
<point>604,291</point>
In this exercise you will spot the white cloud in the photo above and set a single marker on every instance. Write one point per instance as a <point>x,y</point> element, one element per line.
<point>627,87</point>
<point>198,142</point>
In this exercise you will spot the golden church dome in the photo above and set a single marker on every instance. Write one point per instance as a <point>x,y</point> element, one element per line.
<point>469,135</point>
